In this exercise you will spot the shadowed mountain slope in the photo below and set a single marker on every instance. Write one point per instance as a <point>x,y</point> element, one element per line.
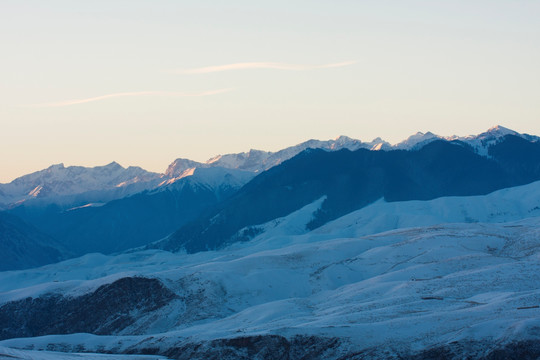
<point>352,180</point>
<point>139,219</point>
<point>22,246</point>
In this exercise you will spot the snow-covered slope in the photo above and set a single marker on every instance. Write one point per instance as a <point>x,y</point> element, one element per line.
<point>500,206</point>
<point>353,180</point>
<point>482,142</point>
<point>505,205</point>
<point>455,277</point>
<point>472,288</point>
<point>467,289</point>
<point>62,184</point>
<point>135,220</point>
<point>141,218</point>
<point>215,178</point>
<point>10,354</point>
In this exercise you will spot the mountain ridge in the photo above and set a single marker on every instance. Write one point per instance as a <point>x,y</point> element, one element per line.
<point>329,254</point>
<point>352,180</point>
<point>113,221</point>
<point>23,246</point>
<point>56,184</point>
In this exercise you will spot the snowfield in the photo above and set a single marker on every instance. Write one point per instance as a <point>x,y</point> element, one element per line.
<point>462,288</point>
<point>10,354</point>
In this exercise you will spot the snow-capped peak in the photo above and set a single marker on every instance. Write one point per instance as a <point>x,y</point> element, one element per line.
<point>245,160</point>
<point>258,160</point>
<point>342,140</point>
<point>417,140</point>
<point>499,130</point>
<point>180,165</point>
<point>215,178</point>
<point>377,144</point>
<point>55,167</point>
<point>493,133</point>
<point>113,165</point>
<point>480,142</point>
<point>60,181</point>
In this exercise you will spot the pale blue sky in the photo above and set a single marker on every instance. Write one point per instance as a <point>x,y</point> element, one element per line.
<point>323,68</point>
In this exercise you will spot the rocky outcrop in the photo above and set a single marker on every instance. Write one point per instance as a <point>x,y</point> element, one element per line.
<point>107,310</point>
<point>310,347</point>
<point>473,350</point>
<point>258,347</point>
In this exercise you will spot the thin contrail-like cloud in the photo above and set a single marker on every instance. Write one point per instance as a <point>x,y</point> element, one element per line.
<point>131,94</point>
<point>261,65</point>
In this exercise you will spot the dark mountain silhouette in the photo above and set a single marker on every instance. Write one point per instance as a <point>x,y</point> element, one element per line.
<point>129,222</point>
<point>352,180</point>
<point>22,246</point>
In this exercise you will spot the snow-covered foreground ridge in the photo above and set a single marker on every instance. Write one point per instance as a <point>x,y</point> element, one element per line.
<point>504,205</point>
<point>457,289</point>
<point>10,354</point>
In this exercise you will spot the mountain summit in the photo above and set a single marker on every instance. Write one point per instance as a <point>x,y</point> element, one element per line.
<point>60,184</point>
<point>77,185</point>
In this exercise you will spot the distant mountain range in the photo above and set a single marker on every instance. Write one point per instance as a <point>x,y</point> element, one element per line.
<point>335,249</point>
<point>79,186</point>
<point>352,180</point>
<point>110,208</point>
<point>76,185</point>
<point>135,220</point>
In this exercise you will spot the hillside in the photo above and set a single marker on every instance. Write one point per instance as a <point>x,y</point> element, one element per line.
<point>352,180</point>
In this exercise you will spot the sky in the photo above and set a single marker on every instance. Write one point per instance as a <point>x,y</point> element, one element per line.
<point>145,82</point>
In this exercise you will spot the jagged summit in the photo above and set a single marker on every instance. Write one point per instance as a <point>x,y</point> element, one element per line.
<point>59,180</point>
<point>56,167</point>
<point>258,160</point>
<point>342,139</point>
<point>113,165</point>
<point>416,140</point>
<point>452,269</point>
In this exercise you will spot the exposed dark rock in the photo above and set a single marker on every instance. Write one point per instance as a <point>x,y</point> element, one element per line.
<point>300,347</point>
<point>107,310</point>
<point>523,350</point>
<point>261,347</point>
<point>470,350</point>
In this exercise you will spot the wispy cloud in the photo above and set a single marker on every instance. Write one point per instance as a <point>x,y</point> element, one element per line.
<point>261,65</point>
<point>132,94</point>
